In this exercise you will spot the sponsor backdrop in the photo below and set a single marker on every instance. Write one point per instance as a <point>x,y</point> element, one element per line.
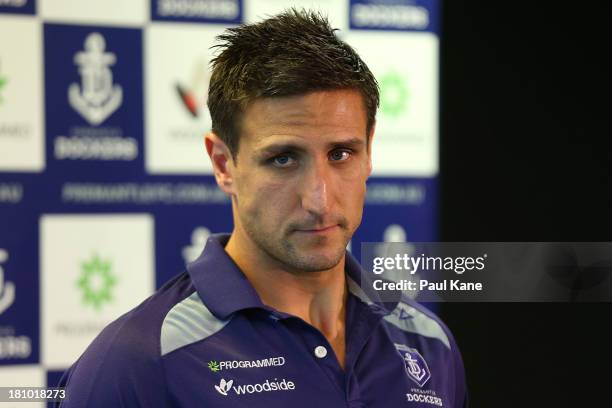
<point>105,187</point>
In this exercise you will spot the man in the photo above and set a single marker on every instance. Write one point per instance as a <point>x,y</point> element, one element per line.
<point>273,314</point>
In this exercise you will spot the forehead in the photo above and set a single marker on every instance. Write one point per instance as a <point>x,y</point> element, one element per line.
<point>321,116</point>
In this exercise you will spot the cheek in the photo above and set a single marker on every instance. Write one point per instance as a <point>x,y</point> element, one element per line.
<point>260,196</point>
<point>357,198</point>
<point>353,181</point>
<point>351,193</point>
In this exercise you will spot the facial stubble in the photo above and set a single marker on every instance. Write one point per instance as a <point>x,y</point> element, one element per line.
<point>282,246</point>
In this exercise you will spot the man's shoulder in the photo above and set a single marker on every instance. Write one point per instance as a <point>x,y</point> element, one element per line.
<point>123,363</point>
<point>425,340</point>
<point>135,337</point>
<point>415,319</point>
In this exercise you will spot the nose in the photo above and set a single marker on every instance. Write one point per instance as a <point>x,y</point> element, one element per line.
<point>316,188</point>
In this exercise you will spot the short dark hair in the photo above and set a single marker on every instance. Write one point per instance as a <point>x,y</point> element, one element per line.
<point>292,53</point>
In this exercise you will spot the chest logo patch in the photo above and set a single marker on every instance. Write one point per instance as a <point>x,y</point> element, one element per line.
<point>415,365</point>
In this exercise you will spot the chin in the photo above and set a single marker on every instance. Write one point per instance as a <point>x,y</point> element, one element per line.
<point>317,261</point>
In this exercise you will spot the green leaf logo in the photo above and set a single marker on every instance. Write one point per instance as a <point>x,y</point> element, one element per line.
<point>214,366</point>
<point>394,94</point>
<point>3,82</point>
<point>96,282</point>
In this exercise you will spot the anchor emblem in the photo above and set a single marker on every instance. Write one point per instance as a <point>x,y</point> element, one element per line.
<point>415,364</point>
<point>413,367</point>
<point>7,289</point>
<point>97,98</point>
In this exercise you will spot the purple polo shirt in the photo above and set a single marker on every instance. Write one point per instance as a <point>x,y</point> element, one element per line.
<point>205,339</point>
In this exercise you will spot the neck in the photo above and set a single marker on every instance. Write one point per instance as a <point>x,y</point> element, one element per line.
<point>318,298</point>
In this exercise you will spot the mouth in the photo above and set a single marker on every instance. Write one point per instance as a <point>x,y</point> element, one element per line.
<point>322,230</point>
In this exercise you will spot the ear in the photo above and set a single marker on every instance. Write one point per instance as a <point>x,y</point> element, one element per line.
<point>222,162</point>
<point>370,138</point>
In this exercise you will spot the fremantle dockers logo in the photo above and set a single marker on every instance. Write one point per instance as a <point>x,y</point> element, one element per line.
<point>97,98</point>
<point>415,364</point>
<point>7,289</point>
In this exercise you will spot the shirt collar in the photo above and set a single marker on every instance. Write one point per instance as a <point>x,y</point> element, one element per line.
<point>225,289</point>
<point>220,283</point>
<point>360,285</point>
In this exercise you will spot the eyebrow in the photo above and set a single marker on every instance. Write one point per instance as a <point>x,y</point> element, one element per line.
<point>354,142</point>
<point>276,148</point>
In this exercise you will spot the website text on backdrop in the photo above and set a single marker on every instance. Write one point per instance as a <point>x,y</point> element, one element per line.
<point>273,314</point>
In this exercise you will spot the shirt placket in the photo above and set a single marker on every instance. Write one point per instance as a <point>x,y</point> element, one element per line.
<point>362,321</point>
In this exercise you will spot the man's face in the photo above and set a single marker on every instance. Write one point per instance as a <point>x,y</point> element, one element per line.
<point>298,182</point>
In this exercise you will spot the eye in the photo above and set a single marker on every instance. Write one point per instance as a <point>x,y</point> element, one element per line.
<point>282,161</point>
<point>340,155</point>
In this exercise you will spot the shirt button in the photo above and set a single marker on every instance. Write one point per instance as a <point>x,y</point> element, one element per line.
<point>320,351</point>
